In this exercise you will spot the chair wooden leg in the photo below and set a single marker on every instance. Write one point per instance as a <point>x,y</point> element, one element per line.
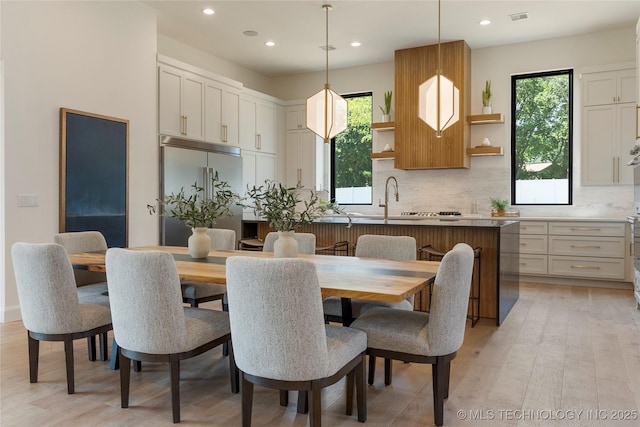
<point>247,401</point>
<point>315,406</point>
<point>68,356</point>
<point>447,374</point>
<point>361,390</point>
<point>115,355</point>
<point>350,385</point>
<point>104,346</point>
<point>303,402</point>
<point>125,379</point>
<point>234,373</point>
<point>284,397</point>
<point>372,369</point>
<point>225,349</point>
<point>387,371</point>
<point>174,363</point>
<point>439,377</point>
<point>34,352</point>
<point>91,347</point>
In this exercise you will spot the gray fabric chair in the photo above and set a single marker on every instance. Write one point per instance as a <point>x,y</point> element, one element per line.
<point>92,285</point>
<point>433,337</point>
<point>306,242</point>
<point>280,339</point>
<point>149,321</point>
<point>194,293</point>
<point>49,303</point>
<point>399,248</point>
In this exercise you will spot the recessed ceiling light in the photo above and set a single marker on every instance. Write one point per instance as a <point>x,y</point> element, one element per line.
<point>356,44</point>
<point>250,33</point>
<point>484,22</point>
<point>270,43</point>
<point>208,11</point>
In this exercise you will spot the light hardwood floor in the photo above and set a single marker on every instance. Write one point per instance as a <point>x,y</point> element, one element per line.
<point>561,350</point>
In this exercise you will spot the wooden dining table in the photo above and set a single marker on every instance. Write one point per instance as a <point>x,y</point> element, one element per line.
<point>339,276</point>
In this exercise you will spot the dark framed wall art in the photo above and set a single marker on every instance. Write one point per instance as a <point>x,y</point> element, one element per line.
<point>94,158</point>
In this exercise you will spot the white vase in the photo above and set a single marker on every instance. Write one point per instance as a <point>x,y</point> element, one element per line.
<point>386,118</point>
<point>486,110</point>
<point>199,243</point>
<point>286,246</point>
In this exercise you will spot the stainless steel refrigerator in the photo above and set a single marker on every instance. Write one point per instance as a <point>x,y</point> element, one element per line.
<point>185,162</point>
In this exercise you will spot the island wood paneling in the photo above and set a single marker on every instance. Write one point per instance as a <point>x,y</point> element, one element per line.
<point>416,144</point>
<point>499,259</point>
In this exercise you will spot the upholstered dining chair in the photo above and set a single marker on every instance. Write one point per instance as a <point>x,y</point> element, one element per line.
<point>149,319</point>
<point>399,248</point>
<point>195,293</point>
<point>49,303</point>
<point>92,285</point>
<point>306,242</point>
<point>280,339</point>
<point>434,337</point>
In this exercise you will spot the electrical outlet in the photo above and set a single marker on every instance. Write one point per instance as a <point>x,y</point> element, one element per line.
<point>27,200</point>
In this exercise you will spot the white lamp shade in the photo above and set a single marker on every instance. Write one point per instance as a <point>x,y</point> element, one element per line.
<point>335,113</point>
<point>449,103</point>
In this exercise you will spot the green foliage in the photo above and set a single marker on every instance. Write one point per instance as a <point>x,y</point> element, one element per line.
<point>486,94</point>
<point>542,127</point>
<point>283,209</point>
<point>387,103</point>
<point>498,203</point>
<point>352,166</point>
<point>195,210</point>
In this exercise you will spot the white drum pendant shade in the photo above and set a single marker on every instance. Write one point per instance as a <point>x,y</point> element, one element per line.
<point>449,100</point>
<point>328,121</point>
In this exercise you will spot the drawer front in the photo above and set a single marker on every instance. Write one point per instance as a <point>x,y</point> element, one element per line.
<point>533,244</point>
<point>611,247</point>
<point>533,264</point>
<point>533,227</point>
<point>592,268</point>
<point>587,228</point>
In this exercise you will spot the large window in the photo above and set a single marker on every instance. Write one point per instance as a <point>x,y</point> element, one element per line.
<point>351,154</point>
<point>541,138</point>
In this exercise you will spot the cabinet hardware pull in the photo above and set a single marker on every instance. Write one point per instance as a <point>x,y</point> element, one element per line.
<point>613,169</point>
<point>224,133</point>
<point>523,244</point>
<point>523,263</point>
<point>586,246</point>
<point>186,125</point>
<point>586,267</point>
<point>258,142</point>
<point>584,229</point>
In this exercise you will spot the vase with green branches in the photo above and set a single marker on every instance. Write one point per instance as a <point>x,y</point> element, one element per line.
<point>386,109</point>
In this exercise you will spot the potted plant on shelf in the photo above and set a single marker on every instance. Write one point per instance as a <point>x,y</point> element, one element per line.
<point>284,209</point>
<point>386,110</point>
<point>498,206</point>
<point>486,98</point>
<point>199,211</point>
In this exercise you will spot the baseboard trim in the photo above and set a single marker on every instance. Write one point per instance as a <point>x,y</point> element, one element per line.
<point>577,282</point>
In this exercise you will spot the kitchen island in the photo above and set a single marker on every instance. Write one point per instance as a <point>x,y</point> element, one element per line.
<point>499,240</point>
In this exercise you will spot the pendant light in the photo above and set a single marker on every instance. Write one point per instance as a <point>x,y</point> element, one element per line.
<point>438,97</point>
<point>326,110</point>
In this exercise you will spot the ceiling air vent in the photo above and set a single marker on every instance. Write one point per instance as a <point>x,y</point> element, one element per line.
<point>519,16</point>
<point>327,47</point>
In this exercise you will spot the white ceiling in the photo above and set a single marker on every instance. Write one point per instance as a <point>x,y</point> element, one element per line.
<point>298,27</point>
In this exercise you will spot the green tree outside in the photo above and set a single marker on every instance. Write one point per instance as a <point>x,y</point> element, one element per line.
<point>353,146</point>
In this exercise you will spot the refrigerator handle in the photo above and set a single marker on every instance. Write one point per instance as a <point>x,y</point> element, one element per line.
<point>211,189</point>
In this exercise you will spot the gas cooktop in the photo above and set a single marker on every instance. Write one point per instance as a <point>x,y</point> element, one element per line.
<point>433,213</point>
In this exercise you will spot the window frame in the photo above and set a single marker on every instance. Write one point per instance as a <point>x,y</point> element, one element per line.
<point>514,78</point>
<point>332,152</point>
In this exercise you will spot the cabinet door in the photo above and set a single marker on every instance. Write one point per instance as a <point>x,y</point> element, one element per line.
<point>193,105</point>
<point>247,130</point>
<point>627,86</point>
<point>627,136</point>
<point>292,159</point>
<point>265,168</point>
<point>169,101</point>
<point>296,117</point>
<point>230,116</point>
<point>266,127</point>
<point>599,88</point>
<point>213,122</point>
<point>301,158</point>
<point>599,135</point>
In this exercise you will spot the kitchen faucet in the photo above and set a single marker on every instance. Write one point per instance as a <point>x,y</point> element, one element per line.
<point>385,205</point>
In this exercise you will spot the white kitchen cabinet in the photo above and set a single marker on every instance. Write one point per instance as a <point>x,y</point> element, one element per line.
<point>256,168</point>
<point>222,104</point>
<point>609,87</point>
<point>296,117</point>
<point>608,133</point>
<point>533,247</point>
<point>180,103</point>
<point>257,125</point>
<point>303,150</point>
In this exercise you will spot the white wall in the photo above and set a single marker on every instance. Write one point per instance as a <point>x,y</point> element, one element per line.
<point>98,57</point>
<point>457,189</point>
